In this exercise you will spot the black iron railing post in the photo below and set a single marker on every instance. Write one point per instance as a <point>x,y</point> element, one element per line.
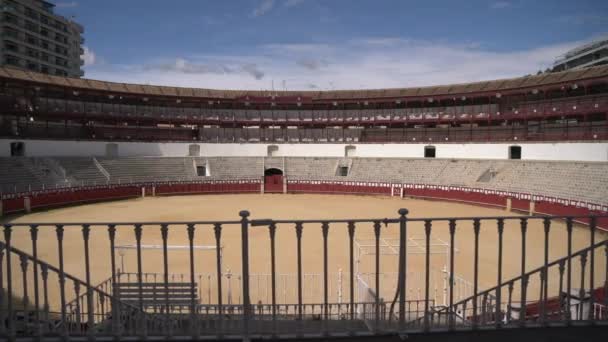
<point>351,256</point>
<point>325,231</point>
<point>545,273</point>
<point>34,238</point>
<point>164,232</point>
<point>2,295</point>
<point>116,330</point>
<point>142,328</point>
<point>8,229</point>
<point>193,309</point>
<point>592,228</point>
<point>524,278</point>
<point>245,270</point>
<point>86,229</point>
<point>217,229</point>
<point>64,331</point>
<point>452,225</point>
<point>299,228</point>
<point>427,272</point>
<point>498,314</point>
<point>476,229</point>
<point>25,299</point>
<point>569,228</point>
<point>272,228</point>
<point>377,228</point>
<point>402,265</point>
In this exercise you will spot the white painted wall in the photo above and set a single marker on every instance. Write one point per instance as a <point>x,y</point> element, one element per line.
<point>597,151</point>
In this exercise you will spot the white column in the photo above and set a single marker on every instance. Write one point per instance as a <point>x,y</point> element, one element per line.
<point>154,191</point>
<point>532,207</point>
<point>27,203</point>
<point>284,184</point>
<point>509,205</point>
<point>143,191</point>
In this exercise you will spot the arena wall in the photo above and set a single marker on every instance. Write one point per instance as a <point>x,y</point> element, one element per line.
<point>577,151</point>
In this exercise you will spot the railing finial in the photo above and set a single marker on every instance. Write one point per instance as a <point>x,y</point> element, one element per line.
<point>244,213</point>
<point>403,212</point>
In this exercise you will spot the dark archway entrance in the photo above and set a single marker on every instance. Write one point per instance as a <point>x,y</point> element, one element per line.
<point>273,180</point>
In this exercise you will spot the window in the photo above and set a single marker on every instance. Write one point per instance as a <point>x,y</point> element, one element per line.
<point>10,46</point>
<point>112,150</point>
<point>12,60</point>
<point>514,152</point>
<point>31,40</point>
<point>201,171</point>
<point>429,152</point>
<point>272,151</point>
<point>349,151</point>
<point>32,65</point>
<point>17,149</point>
<point>343,171</point>
<point>194,150</point>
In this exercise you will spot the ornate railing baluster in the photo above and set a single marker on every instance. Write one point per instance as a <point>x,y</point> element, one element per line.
<point>569,274</point>
<point>44,273</point>
<point>592,228</point>
<point>9,279</point>
<point>217,229</point>
<point>524,282</point>
<point>164,231</point>
<point>59,230</point>
<point>498,313</point>
<point>116,313</point>
<point>452,313</point>
<point>272,228</point>
<point>299,228</point>
<point>325,231</point>
<point>606,281</point>
<point>377,227</point>
<point>86,229</point>
<point>561,269</point>
<point>427,272</point>
<point>79,307</point>
<point>402,265</point>
<point>351,266</point>
<point>2,295</point>
<point>194,328</point>
<point>34,238</point>
<point>476,229</point>
<point>25,300</point>
<point>581,292</point>
<point>245,267</point>
<point>545,273</point>
<point>510,301</point>
<point>141,324</point>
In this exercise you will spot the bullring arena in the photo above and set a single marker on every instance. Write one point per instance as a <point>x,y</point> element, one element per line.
<point>198,216</point>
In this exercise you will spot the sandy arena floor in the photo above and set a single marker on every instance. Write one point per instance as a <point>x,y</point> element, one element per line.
<point>226,207</point>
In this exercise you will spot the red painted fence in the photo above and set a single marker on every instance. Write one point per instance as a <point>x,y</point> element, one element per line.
<point>543,205</point>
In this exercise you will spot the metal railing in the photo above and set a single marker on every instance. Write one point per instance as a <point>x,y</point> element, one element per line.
<point>580,286</point>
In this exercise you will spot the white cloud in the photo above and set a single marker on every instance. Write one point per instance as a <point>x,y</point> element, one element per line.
<point>383,62</point>
<point>89,57</point>
<point>263,7</point>
<point>500,4</point>
<point>69,4</point>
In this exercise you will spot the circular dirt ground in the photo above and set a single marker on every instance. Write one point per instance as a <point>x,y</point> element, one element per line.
<point>226,207</point>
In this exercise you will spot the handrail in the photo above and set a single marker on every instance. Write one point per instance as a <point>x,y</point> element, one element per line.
<point>524,275</point>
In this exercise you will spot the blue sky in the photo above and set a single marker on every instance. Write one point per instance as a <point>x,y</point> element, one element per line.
<point>328,44</point>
